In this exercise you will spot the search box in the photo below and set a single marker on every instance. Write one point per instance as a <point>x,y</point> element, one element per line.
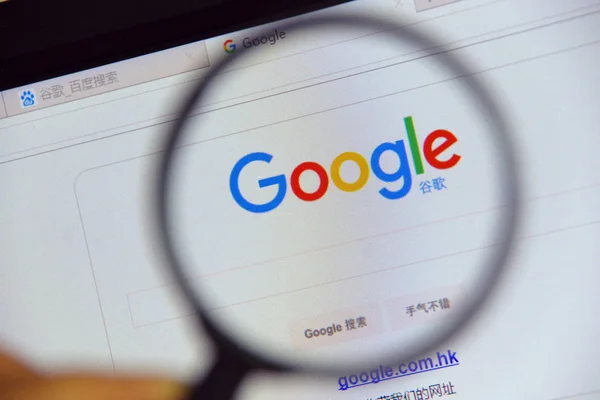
<point>366,259</point>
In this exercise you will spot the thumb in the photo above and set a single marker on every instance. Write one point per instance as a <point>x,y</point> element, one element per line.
<point>93,388</point>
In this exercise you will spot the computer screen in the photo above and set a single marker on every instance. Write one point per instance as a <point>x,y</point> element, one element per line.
<point>82,283</point>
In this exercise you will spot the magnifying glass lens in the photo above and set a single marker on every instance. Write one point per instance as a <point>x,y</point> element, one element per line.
<point>343,218</point>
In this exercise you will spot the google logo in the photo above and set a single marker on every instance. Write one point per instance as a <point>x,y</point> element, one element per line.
<point>436,143</point>
<point>229,46</point>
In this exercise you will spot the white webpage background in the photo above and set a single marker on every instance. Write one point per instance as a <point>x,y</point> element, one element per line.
<point>538,339</point>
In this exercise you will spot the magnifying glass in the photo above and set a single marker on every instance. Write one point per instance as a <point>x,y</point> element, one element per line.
<point>340,222</point>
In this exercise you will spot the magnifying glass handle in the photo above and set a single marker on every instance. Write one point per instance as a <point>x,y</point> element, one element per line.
<point>223,379</point>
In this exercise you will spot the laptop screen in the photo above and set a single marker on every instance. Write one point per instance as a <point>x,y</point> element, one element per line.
<point>82,285</point>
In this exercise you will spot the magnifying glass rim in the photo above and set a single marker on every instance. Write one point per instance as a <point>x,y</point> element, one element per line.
<point>512,191</point>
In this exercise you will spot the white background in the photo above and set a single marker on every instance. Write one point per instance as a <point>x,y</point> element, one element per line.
<point>538,339</point>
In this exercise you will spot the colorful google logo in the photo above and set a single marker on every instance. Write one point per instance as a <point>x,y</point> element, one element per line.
<point>229,46</point>
<point>436,143</point>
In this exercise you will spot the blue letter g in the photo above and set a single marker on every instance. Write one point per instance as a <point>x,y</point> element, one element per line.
<point>234,184</point>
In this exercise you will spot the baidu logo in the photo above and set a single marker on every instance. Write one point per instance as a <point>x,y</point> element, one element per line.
<point>27,98</point>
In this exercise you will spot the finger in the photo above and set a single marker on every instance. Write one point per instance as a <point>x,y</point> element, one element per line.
<point>10,368</point>
<point>91,388</point>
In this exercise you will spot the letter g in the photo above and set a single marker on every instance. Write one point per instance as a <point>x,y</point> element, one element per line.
<point>234,184</point>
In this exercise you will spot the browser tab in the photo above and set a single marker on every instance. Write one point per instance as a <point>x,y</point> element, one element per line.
<point>271,43</point>
<point>105,79</point>
<point>266,46</point>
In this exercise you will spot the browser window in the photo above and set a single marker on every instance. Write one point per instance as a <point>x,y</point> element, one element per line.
<point>81,282</point>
